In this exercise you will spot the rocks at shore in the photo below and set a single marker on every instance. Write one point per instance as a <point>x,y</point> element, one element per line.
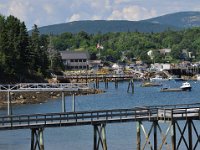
<point>19,98</point>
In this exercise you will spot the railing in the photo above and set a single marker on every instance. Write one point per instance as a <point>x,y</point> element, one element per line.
<point>95,117</point>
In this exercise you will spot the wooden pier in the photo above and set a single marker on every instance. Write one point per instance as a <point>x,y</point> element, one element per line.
<point>96,78</point>
<point>170,115</point>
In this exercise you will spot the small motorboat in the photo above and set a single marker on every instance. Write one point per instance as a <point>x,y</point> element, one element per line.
<point>186,86</point>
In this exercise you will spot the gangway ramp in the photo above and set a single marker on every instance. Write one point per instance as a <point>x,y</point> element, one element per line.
<point>27,87</point>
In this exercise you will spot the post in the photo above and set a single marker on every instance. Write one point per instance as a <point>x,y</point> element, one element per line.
<point>41,140</point>
<point>63,101</point>
<point>116,83</point>
<point>73,103</point>
<point>138,135</point>
<point>131,85</point>
<point>33,139</point>
<point>190,133</point>
<point>97,83</point>
<point>155,134</point>
<point>106,82</point>
<point>9,103</point>
<point>173,135</point>
<point>104,137</point>
<point>99,130</point>
<point>37,139</point>
<point>95,137</point>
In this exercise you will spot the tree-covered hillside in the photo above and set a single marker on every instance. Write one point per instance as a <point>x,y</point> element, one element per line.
<point>117,46</point>
<point>26,57</point>
<point>103,26</point>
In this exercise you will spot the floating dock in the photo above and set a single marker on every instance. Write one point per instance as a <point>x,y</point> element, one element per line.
<point>171,90</point>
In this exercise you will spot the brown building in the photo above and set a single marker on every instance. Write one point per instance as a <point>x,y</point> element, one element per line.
<point>74,60</point>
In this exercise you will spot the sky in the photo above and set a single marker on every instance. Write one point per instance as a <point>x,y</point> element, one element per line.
<point>49,12</point>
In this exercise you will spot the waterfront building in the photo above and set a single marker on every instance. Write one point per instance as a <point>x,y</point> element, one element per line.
<point>74,60</point>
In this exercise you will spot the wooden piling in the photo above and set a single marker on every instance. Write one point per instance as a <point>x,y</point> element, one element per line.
<point>155,134</point>
<point>131,85</point>
<point>138,135</point>
<point>37,139</point>
<point>173,134</point>
<point>190,133</point>
<point>63,101</point>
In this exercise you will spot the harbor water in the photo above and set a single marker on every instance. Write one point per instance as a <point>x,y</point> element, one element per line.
<point>120,136</point>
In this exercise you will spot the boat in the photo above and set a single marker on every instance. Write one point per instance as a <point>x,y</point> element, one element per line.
<point>198,77</point>
<point>175,78</point>
<point>158,78</point>
<point>184,87</point>
<point>150,84</point>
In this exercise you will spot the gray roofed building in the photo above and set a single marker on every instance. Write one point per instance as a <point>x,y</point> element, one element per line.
<point>74,60</point>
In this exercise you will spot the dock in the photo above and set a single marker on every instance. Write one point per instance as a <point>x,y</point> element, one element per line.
<point>171,90</point>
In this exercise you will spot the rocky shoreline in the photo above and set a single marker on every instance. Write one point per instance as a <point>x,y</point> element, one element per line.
<point>21,98</point>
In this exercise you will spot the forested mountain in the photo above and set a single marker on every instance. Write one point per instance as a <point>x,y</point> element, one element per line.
<point>104,26</point>
<point>174,21</point>
<point>180,19</point>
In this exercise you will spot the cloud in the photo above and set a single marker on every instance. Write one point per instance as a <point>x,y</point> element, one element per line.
<point>74,17</point>
<point>47,12</point>
<point>121,1</point>
<point>132,13</point>
<point>96,17</point>
<point>48,9</point>
<point>18,9</point>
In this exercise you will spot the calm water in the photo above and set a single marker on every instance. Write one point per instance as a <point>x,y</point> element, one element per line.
<point>119,136</point>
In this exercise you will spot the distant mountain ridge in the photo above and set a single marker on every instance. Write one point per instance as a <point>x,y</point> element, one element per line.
<point>179,19</point>
<point>175,21</point>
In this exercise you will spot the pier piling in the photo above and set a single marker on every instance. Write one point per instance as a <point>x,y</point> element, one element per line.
<point>100,136</point>
<point>37,139</point>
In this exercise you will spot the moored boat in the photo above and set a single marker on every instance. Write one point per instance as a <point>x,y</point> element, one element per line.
<point>175,78</point>
<point>158,78</point>
<point>184,87</point>
<point>150,84</point>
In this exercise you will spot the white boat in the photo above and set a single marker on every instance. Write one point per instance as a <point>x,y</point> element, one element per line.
<point>186,86</point>
<point>198,77</point>
<point>158,78</point>
<point>175,78</point>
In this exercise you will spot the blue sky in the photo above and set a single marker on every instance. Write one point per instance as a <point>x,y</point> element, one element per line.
<point>48,12</point>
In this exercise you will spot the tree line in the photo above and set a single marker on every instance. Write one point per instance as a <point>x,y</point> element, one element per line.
<point>28,57</point>
<point>134,45</point>
<point>23,57</point>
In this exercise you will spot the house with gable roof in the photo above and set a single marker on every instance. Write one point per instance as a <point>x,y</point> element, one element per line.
<point>75,60</point>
